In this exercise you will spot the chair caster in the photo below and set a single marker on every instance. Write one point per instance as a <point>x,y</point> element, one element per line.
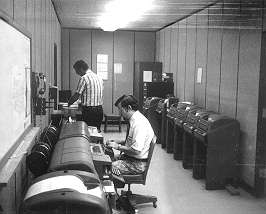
<point>154,204</point>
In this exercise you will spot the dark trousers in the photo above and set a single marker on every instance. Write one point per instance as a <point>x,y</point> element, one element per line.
<point>92,115</point>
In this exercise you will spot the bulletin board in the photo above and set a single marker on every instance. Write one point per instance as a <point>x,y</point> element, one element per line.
<point>15,88</point>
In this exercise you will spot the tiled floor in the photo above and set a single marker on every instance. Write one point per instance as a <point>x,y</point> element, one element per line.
<point>179,193</point>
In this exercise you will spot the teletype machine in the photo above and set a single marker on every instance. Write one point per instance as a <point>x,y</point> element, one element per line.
<point>170,117</point>
<point>161,111</point>
<point>161,117</point>
<point>149,108</point>
<point>180,117</point>
<point>67,191</point>
<point>77,177</point>
<point>189,126</point>
<point>216,143</point>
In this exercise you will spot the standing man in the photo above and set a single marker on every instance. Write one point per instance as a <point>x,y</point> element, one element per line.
<point>90,89</point>
<point>135,149</point>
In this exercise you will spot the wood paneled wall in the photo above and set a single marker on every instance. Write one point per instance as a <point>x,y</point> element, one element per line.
<point>181,65</point>
<point>39,19</point>
<point>123,47</point>
<point>144,46</point>
<point>261,134</point>
<point>123,52</point>
<point>103,43</point>
<point>174,54</point>
<point>247,99</point>
<point>229,54</point>
<point>190,58</point>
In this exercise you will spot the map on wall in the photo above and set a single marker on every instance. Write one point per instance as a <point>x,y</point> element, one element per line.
<point>15,72</point>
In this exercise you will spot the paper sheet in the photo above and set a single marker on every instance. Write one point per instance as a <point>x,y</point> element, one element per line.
<point>118,68</point>
<point>147,76</point>
<point>103,58</point>
<point>103,75</point>
<point>102,66</point>
<point>199,75</point>
<point>62,182</point>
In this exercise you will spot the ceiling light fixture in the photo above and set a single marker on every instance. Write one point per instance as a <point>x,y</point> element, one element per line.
<point>119,13</point>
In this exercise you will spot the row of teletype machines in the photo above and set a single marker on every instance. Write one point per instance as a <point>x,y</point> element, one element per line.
<point>72,171</point>
<point>205,141</point>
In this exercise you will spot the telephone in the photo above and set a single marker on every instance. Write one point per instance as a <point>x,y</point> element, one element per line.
<point>41,83</point>
<point>38,92</point>
<point>38,84</point>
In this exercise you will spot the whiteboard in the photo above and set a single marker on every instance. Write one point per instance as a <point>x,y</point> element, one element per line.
<point>15,91</point>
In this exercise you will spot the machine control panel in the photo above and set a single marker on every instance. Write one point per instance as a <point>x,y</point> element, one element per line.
<point>193,117</point>
<point>183,111</point>
<point>172,111</point>
<point>150,102</point>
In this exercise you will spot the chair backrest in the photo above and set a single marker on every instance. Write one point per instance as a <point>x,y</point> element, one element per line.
<point>152,145</point>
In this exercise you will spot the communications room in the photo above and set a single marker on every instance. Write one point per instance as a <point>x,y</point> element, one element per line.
<point>132,106</point>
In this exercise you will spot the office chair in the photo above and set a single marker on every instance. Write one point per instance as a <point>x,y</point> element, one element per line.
<point>135,199</point>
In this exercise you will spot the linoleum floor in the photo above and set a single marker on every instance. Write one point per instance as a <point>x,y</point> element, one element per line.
<point>179,193</point>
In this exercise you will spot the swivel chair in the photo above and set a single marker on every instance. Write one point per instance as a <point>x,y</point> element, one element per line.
<point>136,199</point>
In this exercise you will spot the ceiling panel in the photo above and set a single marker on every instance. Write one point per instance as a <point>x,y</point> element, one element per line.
<point>84,13</point>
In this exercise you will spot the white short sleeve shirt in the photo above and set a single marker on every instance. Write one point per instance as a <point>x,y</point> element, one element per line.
<point>140,135</point>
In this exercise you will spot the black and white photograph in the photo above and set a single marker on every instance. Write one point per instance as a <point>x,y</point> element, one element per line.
<point>133,106</point>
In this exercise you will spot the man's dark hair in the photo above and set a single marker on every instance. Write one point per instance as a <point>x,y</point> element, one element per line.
<point>128,100</point>
<point>81,64</point>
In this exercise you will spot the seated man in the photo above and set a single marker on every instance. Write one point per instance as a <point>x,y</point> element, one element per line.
<point>134,151</point>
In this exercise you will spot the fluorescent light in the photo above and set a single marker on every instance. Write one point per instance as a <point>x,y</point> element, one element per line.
<point>119,13</point>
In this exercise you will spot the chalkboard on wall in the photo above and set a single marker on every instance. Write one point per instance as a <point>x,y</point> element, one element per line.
<point>15,90</point>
